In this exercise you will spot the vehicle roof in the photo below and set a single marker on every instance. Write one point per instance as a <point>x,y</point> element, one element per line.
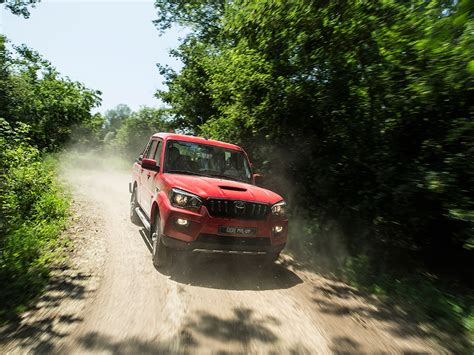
<point>194,139</point>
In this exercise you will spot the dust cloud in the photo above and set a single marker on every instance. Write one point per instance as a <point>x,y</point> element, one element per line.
<point>202,303</point>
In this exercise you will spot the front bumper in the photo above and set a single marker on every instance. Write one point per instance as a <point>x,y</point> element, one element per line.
<point>222,244</point>
<point>203,233</point>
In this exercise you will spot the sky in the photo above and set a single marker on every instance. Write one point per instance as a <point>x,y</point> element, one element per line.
<point>109,45</point>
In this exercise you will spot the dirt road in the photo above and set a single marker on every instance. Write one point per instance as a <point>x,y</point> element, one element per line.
<point>112,300</point>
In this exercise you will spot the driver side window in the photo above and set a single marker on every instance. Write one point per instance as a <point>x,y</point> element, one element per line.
<point>157,155</point>
<point>151,150</point>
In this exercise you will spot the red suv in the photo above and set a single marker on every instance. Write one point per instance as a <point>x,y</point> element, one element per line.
<point>198,194</point>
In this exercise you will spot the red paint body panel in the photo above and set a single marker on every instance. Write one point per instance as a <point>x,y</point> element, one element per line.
<point>206,187</point>
<point>155,198</point>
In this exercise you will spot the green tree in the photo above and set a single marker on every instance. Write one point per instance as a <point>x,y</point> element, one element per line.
<point>190,100</point>
<point>367,103</point>
<point>19,7</point>
<point>202,16</point>
<point>136,130</point>
<point>39,110</point>
<point>361,114</point>
<point>115,117</point>
<point>37,95</point>
<point>4,77</point>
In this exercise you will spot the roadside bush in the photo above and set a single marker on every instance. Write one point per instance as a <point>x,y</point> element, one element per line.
<point>33,214</point>
<point>40,111</point>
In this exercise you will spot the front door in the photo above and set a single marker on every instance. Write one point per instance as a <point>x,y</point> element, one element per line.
<point>149,176</point>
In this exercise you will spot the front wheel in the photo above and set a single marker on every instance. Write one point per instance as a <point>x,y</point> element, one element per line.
<point>269,259</point>
<point>133,205</point>
<point>161,254</point>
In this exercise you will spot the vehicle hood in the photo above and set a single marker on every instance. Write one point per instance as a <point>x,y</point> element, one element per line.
<point>220,188</point>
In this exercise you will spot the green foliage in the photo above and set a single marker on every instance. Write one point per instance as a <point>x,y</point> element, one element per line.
<point>90,133</point>
<point>19,7</point>
<point>114,118</point>
<point>187,94</point>
<point>34,93</point>
<point>39,111</point>
<point>367,102</point>
<point>201,15</point>
<point>136,130</point>
<point>359,112</point>
<point>33,215</point>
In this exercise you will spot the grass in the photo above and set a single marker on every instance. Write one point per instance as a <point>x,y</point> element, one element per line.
<point>33,241</point>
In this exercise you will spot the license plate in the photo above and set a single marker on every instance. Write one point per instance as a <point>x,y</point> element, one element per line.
<point>238,230</point>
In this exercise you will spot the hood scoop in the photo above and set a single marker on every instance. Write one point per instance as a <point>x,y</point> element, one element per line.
<point>232,188</point>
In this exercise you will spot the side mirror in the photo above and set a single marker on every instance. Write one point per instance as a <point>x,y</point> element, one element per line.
<point>258,179</point>
<point>140,157</point>
<point>150,164</point>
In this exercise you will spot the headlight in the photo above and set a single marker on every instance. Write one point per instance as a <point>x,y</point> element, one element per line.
<point>279,209</point>
<point>183,199</point>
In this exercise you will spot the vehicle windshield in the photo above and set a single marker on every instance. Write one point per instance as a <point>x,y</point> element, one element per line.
<point>206,160</point>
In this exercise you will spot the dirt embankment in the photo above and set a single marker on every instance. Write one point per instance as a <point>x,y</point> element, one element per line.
<point>112,300</point>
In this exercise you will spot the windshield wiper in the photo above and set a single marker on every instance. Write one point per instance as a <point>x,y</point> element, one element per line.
<point>227,177</point>
<point>188,172</point>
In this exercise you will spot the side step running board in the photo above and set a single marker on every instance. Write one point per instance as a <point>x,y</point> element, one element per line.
<point>143,218</point>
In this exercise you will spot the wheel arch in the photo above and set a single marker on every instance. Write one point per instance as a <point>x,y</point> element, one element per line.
<point>155,209</point>
<point>158,200</point>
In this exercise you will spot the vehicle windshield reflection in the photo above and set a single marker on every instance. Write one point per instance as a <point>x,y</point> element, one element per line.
<point>207,160</point>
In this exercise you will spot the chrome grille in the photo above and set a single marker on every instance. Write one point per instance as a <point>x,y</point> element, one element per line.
<point>236,209</point>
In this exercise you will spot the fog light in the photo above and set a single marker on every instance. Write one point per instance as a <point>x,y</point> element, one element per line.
<point>277,229</point>
<point>182,222</point>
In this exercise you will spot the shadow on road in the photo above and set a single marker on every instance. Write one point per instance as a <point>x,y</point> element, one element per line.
<point>344,345</point>
<point>94,342</point>
<point>42,331</point>
<point>242,329</point>
<point>225,271</point>
<point>230,272</point>
<point>146,239</point>
<point>399,321</point>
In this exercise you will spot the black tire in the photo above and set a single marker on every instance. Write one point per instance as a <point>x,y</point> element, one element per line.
<point>161,254</point>
<point>269,259</point>
<point>134,204</point>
